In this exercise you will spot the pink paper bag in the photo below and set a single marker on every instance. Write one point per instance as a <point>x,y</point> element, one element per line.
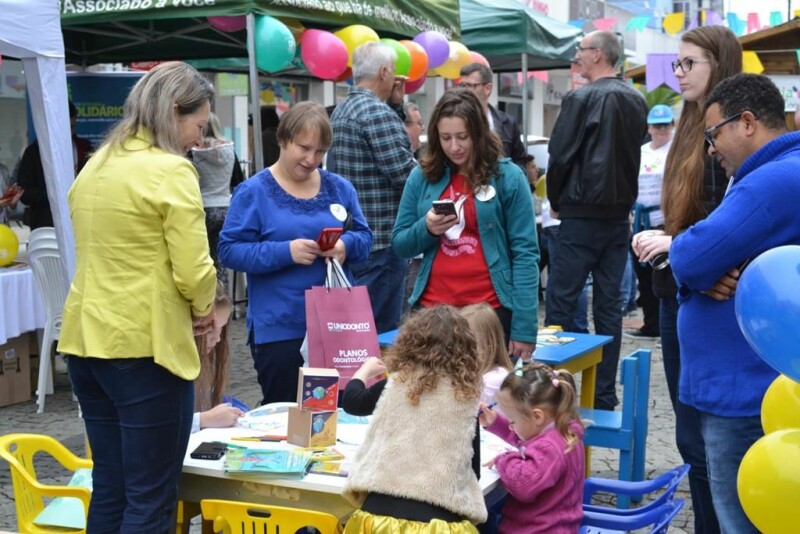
<point>340,329</point>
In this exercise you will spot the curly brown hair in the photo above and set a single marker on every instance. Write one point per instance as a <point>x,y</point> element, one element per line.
<point>434,343</point>
<point>487,148</point>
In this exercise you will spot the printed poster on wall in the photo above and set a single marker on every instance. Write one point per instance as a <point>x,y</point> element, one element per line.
<point>99,97</point>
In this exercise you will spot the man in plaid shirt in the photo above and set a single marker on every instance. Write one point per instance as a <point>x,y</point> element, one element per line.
<point>371,148</point>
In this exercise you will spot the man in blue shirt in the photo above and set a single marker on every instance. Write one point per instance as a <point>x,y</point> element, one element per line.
<point>371,149</point>
<point>721,376</point>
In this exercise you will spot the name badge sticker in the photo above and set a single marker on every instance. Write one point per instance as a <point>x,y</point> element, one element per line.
<point>485,193</point>
<point>338,211</point>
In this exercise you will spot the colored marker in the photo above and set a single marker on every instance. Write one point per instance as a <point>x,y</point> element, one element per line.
<point>260,438</point>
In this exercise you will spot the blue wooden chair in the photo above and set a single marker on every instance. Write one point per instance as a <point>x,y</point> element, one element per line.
<point>657,518</point>
<point>625,430</point>
<point>665,485</point>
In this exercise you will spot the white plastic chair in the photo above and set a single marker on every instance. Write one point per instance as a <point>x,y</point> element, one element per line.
<point>51,278</point>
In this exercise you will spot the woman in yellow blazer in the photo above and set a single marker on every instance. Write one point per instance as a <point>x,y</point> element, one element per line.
<point>143,277</point>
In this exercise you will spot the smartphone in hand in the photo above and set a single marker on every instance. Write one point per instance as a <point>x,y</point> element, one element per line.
<point>444,207</point>
<point>328,237</point>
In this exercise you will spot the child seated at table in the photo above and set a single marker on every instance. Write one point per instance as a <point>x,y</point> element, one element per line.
<point>215,356</point>
<point>544,476</point>
<point>412,472</point>
<point>492,348</point>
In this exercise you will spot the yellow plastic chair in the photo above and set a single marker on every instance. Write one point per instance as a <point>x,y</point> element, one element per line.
<point>232,517</point>
<point>19,450</point>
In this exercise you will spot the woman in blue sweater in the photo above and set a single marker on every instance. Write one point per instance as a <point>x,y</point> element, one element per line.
<point>270,234</point>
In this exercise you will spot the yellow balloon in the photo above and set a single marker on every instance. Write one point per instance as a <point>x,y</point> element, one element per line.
<point>9,245</point>
<point>769,482</point>
<point>295,26</point>
<point>354,36</point>
<point>780,409</point>
<point>459,57</point>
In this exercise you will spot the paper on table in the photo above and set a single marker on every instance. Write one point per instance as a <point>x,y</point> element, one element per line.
<point>67,512</point>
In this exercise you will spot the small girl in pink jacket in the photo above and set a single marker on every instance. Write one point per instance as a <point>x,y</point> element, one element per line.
<point>544,476</point>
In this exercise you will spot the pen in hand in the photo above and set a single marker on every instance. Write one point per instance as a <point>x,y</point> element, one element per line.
<point>487,407</point>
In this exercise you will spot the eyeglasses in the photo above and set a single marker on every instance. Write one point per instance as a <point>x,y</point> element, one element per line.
<point>709,133</point>
<point>686,64</point>
<point>421,124</point>
<point>468,85</point>
<point>663,126</point>
<point>580,48</point>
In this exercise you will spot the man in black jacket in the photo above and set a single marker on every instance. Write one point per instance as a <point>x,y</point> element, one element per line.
<point>592,182</point>
<point>478,79</point>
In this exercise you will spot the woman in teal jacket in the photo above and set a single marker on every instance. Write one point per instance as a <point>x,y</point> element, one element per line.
<point>487,250</point>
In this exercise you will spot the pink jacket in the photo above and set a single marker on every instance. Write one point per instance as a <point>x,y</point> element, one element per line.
<point>544,484</point>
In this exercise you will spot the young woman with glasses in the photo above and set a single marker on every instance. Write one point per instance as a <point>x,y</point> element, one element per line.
<point>693,186</point>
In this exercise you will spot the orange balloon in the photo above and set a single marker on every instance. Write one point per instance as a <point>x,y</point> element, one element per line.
<point>419,60</point>
<point>475,57</point>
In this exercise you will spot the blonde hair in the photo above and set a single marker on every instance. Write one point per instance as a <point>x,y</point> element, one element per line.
<point>169,91</point>
<point>433,344</point>
<point>215,361</point>
<point>537,384</point>
<point>489,336</point>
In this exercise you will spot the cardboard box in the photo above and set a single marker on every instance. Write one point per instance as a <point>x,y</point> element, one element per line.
<point>15,371</point>
<point>318,389</point>
<point>311,429</point>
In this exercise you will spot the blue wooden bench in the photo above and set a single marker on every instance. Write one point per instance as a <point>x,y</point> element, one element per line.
<point>625,430</point>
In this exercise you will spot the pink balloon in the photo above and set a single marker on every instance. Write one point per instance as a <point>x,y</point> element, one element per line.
<point>475,57</point>
<point>414,85</point>
<point>324,54</point>
<point>436,45</point>
<point>228,24</point>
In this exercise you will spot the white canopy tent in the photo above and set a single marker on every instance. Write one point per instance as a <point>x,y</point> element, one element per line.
<point>31,31</point>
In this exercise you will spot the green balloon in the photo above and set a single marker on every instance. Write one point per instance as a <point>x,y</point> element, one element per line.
<point>275,45</point>
<point>402,65</point>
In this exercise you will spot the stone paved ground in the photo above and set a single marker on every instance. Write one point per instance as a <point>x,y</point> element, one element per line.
<point>60,420</point>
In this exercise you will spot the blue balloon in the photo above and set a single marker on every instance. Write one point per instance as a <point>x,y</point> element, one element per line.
<point>768,308</point>
<point>275,44</point>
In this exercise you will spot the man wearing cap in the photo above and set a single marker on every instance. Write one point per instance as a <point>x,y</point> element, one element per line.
<point>478,78</point>
<point>646,212</point>
<point>592,185</point>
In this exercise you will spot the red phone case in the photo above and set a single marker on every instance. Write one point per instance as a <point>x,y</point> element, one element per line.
<point>328,237</point>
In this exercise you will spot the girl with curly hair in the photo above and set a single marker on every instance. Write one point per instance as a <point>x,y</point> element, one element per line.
<point>428,407</point>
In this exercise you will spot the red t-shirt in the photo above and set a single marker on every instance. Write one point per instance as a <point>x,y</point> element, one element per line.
<point>459,275</point>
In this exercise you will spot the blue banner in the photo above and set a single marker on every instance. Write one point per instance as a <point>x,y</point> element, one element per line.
<point>99,98</point>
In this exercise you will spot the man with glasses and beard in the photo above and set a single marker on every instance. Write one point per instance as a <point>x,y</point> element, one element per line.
<point>721,376</point>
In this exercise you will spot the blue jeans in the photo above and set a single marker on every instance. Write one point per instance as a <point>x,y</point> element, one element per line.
<point>629,286</point>
<point>688,438</point>
<point>384,274</point>
<point>599,247</point>
<point>581,319</point>
<point>138,418</point>
<point>727,440</point>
